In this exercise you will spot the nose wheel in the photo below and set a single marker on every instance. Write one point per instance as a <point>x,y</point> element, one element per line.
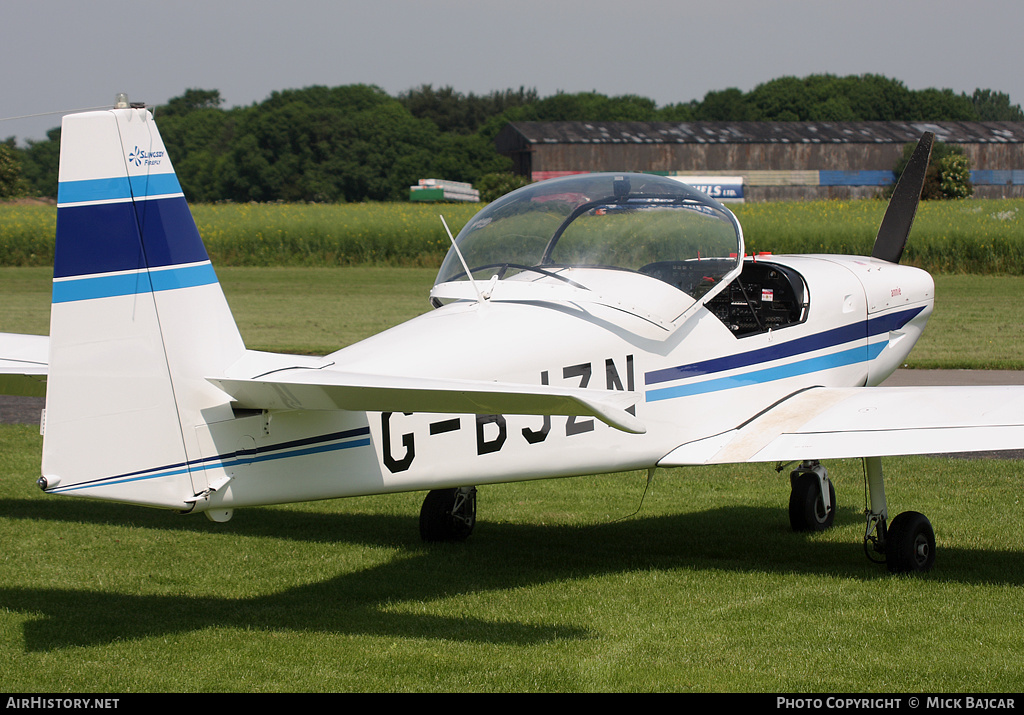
<point>910,544</point>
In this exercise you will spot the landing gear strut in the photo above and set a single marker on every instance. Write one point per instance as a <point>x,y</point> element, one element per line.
<point>908,544</point>
<point>448,514</point>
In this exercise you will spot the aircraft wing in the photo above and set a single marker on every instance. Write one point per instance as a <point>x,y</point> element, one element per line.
<point>837,423</point>
<point>23,364</point>
<point>305,389</point>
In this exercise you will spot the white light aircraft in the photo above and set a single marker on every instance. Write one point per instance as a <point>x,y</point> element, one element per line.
<point>589,324</point>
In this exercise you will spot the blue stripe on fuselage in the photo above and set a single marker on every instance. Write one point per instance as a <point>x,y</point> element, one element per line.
<point>780,372</point>
<point>810,343</point>
<point>824,340</point>
<point>348,439</point>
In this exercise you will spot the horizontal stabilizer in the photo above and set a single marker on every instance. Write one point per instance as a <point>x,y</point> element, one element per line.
<point>23,364</point>
<point>330,390</point>
<point>839,423</point>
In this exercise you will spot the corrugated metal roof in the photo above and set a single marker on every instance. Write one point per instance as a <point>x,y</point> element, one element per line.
<point>759,132</point>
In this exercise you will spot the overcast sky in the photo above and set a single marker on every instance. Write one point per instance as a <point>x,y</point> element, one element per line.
<point>62,55</point>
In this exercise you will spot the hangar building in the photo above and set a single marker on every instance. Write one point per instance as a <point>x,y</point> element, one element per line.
<point>769,160</point>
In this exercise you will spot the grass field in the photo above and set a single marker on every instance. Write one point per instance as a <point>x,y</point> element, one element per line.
<point>562,587</point>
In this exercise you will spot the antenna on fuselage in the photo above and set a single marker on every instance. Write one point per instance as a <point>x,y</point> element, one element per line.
<point>465,266</point>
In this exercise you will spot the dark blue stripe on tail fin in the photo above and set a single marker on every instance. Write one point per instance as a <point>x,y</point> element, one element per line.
<point>104,238</point>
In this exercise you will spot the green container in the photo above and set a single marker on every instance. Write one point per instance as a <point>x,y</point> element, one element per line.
<point>427,194</point>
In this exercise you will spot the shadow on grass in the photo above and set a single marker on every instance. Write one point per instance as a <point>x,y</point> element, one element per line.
<point>497,557</point>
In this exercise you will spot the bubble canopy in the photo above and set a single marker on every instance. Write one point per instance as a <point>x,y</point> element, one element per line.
<point>643,223</point>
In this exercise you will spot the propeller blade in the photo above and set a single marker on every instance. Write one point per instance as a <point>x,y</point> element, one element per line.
<point>899,217</point>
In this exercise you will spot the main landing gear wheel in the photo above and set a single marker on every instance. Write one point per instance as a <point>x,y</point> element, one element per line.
<point>448,514</point>
<point>910,544</point>
<point>808,510</point>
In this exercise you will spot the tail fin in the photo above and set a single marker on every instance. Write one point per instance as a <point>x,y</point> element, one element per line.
<point>138,320</point>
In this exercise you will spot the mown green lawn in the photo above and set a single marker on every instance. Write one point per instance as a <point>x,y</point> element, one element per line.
<point>976,324</point>
<point>576,585</point>
<point>584,584</point>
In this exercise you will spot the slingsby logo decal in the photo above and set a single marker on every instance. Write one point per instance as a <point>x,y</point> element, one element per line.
<point>141,156</point>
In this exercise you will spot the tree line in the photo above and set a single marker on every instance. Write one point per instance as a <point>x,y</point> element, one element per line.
<point>357,143</point>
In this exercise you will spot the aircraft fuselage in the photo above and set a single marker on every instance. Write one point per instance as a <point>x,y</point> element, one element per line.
<point>856,321</point>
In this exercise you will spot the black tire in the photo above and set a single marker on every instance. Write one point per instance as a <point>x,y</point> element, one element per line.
<point>445,516</point>
<point>806,507</point>
<point>910,544</point>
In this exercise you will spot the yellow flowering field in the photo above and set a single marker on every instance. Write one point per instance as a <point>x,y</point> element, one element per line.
<point>26,234</point>
<point>967,236</point>
<point>394,234</point>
